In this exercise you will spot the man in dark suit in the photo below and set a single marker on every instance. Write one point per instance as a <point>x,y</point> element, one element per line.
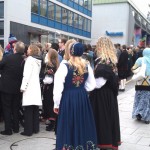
<point>10,82</point>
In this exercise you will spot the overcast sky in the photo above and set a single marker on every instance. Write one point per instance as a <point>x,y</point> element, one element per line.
<point>142,5</point>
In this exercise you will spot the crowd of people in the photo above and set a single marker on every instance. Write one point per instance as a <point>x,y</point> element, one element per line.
<point>75,85</point>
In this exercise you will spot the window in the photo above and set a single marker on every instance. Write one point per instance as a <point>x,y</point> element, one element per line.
<point>76,18</point>
<point>81,2</point>
<point>1,9</point>
<point>86,3</point>
<point>58,13</point>
<point>70,18</point>
<point>76,1</point>
<point>43,8</point>
<point>89,26</point>
<point>2,43</point>
<point>89,4</point>
<point>84,24</point>
<point>64,15</point>
<point>1,28</point>
<point>80,22</point>
<point>51,10</point>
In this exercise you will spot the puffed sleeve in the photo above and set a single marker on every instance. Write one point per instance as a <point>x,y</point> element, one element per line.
<point>90,83</point>
<point>137,64</point>
<point>28,68</point>
<point>100,82</point>
<point>59,80</point>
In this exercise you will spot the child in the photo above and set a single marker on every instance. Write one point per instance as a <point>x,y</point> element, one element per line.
<point>49,71</point>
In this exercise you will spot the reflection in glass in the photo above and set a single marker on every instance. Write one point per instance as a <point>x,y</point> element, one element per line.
<point>58,13</point>
<point>64,15</point>
<point>1,28</point>
<point>86,3</point>
<point>1,9</point>
<point>76,18</point>
<point>80,22</point>
<point>43,8</point>
<point>2,43</point>
<point>89,26</point>
<point>76,1</point>
<point>89,4</point>
<point>70,18</point>
<point>84,24</point>
<point>51,10</point>
<point>81,2</point>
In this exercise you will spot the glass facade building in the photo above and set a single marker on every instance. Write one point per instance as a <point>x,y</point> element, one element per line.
<point>75,18</point>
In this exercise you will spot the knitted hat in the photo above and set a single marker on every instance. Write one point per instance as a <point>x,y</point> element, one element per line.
<point>77,49</point>
<point>12,39</point>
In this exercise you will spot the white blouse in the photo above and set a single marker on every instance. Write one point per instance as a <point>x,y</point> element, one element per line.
<point>59,81</point>
<point>100,82</point>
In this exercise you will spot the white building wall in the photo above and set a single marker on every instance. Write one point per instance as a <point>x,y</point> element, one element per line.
<point>16,11</point>
<point>111,18</point>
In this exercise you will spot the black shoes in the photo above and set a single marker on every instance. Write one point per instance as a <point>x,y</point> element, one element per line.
<point>51,126</point>
<point>147,122</point>
<point>138,117</point>
<point>25,134</point>
<point>6,132</point>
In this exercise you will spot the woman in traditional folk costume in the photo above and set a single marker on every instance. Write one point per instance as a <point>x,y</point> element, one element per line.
<point>141,107</point>
<point>49,70</point>
<point>76,126</point>
<point>104,97</point>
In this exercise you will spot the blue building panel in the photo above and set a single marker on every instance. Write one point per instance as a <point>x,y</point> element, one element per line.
<point>84,33</point>
<point>75,31</point>
<point>64,27</point>
<point>65,1</point>
<point>43,21</point>
<point>81,9</point>
<point>89,13</point>
<point>80,32</point>
<point>58,25</point>
<point>85,11</point>
<point>70,29</point>
<point>70,4</point>
<point>75,6</point>
<point>34,18</point>
<point>51,23</point>
<point>88,34</point>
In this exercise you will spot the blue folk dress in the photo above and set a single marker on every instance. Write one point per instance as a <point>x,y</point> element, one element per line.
<point>76,128</point>
<point>141,106</point>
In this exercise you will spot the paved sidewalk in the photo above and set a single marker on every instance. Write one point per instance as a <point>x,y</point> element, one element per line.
<point>135,135</point>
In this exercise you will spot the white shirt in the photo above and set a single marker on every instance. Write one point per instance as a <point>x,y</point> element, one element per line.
<point>100,82</point>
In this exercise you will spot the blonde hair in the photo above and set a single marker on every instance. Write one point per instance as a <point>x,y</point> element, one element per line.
<point>105,49</point>
<point>53,58</point>
<point>67,48</point>
<point>34,50</point>
<point>1,52</point>
<point>79,64</point>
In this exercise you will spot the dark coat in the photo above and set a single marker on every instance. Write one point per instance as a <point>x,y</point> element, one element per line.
<point>123,65</point>
<point>12,73</point>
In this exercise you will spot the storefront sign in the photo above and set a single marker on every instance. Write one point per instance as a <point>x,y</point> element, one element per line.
<point>114,33</point>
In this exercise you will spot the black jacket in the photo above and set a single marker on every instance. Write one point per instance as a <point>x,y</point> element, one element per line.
<point>11,68</point>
